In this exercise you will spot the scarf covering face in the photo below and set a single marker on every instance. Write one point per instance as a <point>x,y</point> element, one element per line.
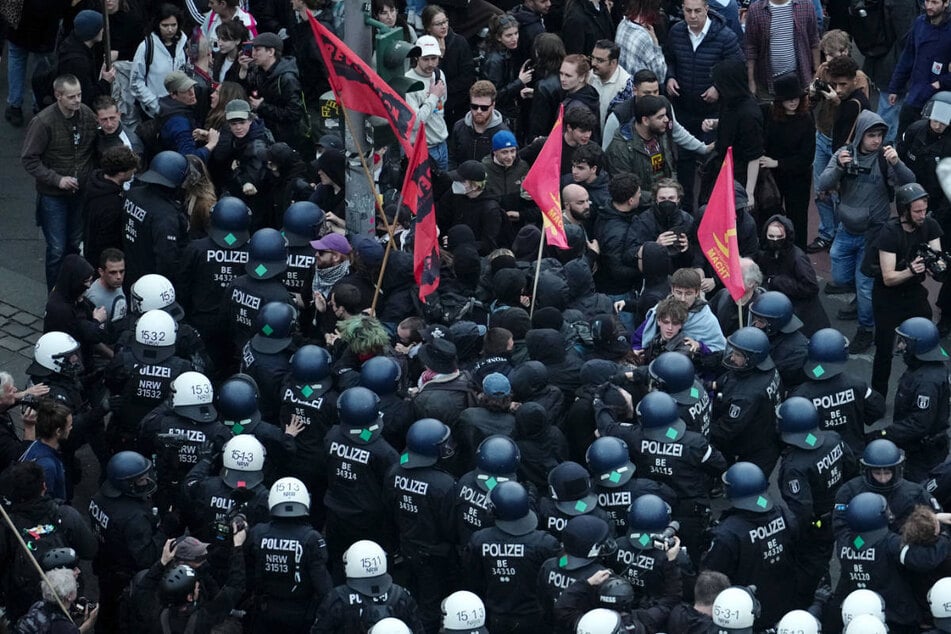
<point>324,279</point>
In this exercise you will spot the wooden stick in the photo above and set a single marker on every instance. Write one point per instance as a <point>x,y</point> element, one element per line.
<point>538,269</point>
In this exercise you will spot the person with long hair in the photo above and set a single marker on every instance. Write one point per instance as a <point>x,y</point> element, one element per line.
<point>162,52</point>
<point>226,92</point>
<point>501,68</point>
<point>790,147</point>
<point>199,197</point>
<point>456,62</point>
<point>548,52</point>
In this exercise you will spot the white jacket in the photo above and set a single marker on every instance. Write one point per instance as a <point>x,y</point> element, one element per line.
<point>148,90</point>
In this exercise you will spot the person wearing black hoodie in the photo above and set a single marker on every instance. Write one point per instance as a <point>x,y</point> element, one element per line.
<point>617,275</point>
<point>583,296</point>
<point>80,54</point>
<point>103,200</point>
<point>66,309</point>
<point>530,384</point>
<point>786,268</point>
<point>564,367</point>
<point>578,425</point>
<point>654,262</point>
<point>246,142</point>
<point>541,444</point>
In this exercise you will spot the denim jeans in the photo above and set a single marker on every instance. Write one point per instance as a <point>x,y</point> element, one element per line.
<point>846,254</point>
<point>890,114</point>
<point>626,318</point>
<point>826,206</point>
<point>60,217</point>
<point>17,61</point>
<point>440,154</point>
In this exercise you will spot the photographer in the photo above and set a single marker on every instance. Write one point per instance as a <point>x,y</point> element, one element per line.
<point>865,174</point>
<point>47,616</point>
<point>898,292</point>
<point>667,224</point>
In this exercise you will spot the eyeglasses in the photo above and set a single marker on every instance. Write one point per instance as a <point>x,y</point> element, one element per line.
<point>479,106</point>
<point>440,23</point>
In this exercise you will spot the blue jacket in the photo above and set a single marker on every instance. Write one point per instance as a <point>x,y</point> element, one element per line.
<point>53,471</point>
<point>692,69</point>
<point>926,59</point>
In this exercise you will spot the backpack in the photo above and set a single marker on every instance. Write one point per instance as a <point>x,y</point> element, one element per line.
<point>39,539</point>
<point>871,33</point>
<point>39,620</point>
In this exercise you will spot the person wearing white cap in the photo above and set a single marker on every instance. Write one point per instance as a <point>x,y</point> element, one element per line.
<point>430,101</point>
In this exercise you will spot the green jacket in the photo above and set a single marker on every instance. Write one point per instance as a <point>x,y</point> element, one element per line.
<point>628,154</point>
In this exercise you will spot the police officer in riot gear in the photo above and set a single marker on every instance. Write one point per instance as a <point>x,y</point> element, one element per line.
<point>128,532</point>
<point>674,373</point>
<point>288,563</point>
<point>368,595</point>
<point>753,542</point>
<point>882,471</point>
<point>586,542</point>
<point>209,265</point>
<point>177,434</point>
<point>922,402</point>
<point>156,225</point>
<point>463,611</point>
<point>301,226</point>
<point>570,494</point>
<point>212,502</point>
<point>649,550</point>
<point>798,622</point>
<point>141,376</point>
<point>260,285</point>
<point>420,499</point>
<point>845,402</point>
<point>873,556</point>
<point>497,460</point>
<point>744,425</point>
<point>772,312</point>
<point>384,375</point>
<point>862,601</point>
<point>266,358</point>
<point>613,472</point>
<point>737,609</point>
<point>667,452</point>
<point>813,466</point>
<point>503,561</point>
<point>155,292</point>
<point>600,621</point>
<point>357,459</point>
<point>308,398</point>
<point>939,600</point>
<point>238,410</point>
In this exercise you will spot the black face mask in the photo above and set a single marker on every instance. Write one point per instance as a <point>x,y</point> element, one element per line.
<point>667,214</point>
<point>775,245</point>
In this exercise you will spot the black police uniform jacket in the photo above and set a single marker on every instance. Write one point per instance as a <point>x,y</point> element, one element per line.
<point>347,611</point>
<point>810,478</point>
<point>922,404</point>
<point>357,476</point>
<point>901,500</point>
<point>846,404</point>
<point>206,271</point>
<point>128,534</point>
<point>243,300</point>
<point>421,501</point>
<point>211,502</point>
<point>744,423</point>
<point>315,406</point>
<point>289,565</point>
<point>154,233</point>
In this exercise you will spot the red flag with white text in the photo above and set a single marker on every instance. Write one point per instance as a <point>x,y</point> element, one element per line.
<point>543,183</point>
<point>717,231</point>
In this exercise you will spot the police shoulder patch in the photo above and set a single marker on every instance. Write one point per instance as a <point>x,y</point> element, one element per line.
<point>923,401</point>
<point>794,486</point>
<point>734,411</point>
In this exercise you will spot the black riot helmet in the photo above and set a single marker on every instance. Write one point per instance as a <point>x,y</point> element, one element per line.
<point>230,223</point>
<point>380,374</point>
<point>774,311</point>
<point>267,254</point>
<point>827,355</point>
<point>878,455</point>
<point>302,222</point>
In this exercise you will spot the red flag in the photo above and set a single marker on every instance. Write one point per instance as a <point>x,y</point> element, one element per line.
<point>717,231</point>
<point>418,198</point>
<point>358,87</point>
<point>543,184</point>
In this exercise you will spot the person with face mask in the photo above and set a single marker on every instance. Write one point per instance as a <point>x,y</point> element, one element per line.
<point>666,224</point>
<point>466,203</point>
<point>787,269</point>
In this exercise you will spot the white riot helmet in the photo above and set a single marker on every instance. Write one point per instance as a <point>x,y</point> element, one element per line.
<point>865,624</point>
<point>736,609</point>
<point>155,292</point>
<point>364,566</point>
<point>155,336</point>
<point>463,612</point>
<point>289,498</point>
<point>193,397</point>
<point>599,621</point>
<point>798,622</point>
<point>243,459</point>
<point>56,352</point>
<point>939,599</point>
<point>862,601</point>
<point>390,625</point>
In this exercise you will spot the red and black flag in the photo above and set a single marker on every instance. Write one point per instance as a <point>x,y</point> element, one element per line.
<point>418,198</point>
<point>358,87</point>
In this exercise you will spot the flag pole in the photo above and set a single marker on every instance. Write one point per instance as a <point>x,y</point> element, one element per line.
<point>386,258</point>
<point>739,310</point>
<point>538,268</point>
<point>369,174</point>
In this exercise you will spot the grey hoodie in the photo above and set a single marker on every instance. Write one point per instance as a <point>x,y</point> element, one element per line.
<point>864,198</point>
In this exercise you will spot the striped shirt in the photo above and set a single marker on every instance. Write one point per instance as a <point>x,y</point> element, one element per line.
<point>782,55</point>
<point>805,38</point>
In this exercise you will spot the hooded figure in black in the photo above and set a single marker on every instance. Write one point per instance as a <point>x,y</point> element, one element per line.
<point>516,321</point>
<point>564,367</point>
<point>579,420</point>
<point>541,444</point>
<point>656,267</point>
<point>530,384</point>
<point>552,291</point>
<point>787,269</point>
<point>285,181</point>
<point>331,196</point>
<point>66,309</point>
<point>740,125</point>
<point>582,294</point>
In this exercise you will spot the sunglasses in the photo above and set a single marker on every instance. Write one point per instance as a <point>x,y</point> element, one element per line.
<point>478,106</point>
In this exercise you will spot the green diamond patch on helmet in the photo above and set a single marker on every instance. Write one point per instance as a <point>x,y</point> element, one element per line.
<point>811,440</point>
<point>581,506</point>
<point>404,458</point>
<point>818,371</point>
<point>491,483</point>
<point>563,561</point>
<point>307,391</point>
<point>943,351</point>
<point>366,434</point>
<point>615,477</point>
<point>762,502</point>
<point>230,239</point>
<point>858,542</point>
<point>260,269</point>
<point>267,330</point>
<point>671,433</point>
<point>644,539</point>
<point>694,393</point>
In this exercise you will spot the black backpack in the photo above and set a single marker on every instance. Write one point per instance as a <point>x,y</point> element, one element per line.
<point>39,538</point>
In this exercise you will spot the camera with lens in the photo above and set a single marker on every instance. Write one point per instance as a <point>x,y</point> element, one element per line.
<point>80,609</point>
<point>854,169</point>
<point>936,262</point>
<point>820,87</point>
<point>665,540</point>
<point>222,527</point>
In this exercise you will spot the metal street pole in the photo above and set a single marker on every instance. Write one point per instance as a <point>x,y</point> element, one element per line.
<point>361,206</point>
